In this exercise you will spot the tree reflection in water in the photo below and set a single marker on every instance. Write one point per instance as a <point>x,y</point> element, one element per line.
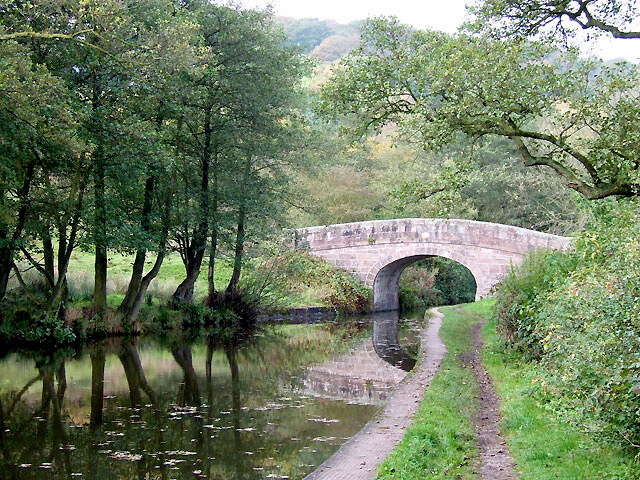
<point>189,392</point>
<point>131,408</point>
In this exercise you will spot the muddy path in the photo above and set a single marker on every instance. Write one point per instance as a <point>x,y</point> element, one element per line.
<point>359,458</point>
<point>494,460</point>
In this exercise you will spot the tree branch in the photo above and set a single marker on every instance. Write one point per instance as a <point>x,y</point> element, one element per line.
<point>57,36</point>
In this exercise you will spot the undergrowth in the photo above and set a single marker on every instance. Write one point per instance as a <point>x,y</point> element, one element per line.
<point>578,315</point>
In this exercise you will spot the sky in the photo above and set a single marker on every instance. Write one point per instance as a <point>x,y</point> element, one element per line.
<point>444,15</point>
<point>436,14</point>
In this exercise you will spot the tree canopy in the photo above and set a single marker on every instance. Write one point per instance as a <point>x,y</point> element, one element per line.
<point>578,117</point>
<point>138,127</point>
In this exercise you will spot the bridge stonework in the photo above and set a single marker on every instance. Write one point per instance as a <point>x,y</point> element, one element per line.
<point>378,251</point>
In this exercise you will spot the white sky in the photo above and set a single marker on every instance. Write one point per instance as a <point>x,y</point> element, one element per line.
<point>445,15</point>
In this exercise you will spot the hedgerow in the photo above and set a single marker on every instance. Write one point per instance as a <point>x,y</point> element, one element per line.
<point>578,315</point>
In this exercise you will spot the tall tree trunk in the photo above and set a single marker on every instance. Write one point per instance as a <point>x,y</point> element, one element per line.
<point>62,268</point>
<point>131,314</point>
<point>239,251</point>
<point>100,208</point>
<point>65,248</point>
<point>240,235</point>
<point>97,388</point>
<point>214,232</point>
<point>49,261</point>
<point>195,253</point>
<point>100,236</point>
<point>8,243</point>
<point>138,265</point>
<point>6,264</point>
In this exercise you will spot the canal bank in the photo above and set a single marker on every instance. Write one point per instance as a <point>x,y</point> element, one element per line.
<point>360,456</point>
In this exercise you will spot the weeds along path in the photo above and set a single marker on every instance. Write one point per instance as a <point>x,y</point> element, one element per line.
<point>359,458</point>
<point>495,462</point>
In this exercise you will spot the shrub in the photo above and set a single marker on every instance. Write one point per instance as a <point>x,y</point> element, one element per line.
<point>417,287</point>
<point>436,281</point>
<point>24,327</point>
<point>579,314</point>
<point>519,296</point>
<point>296,274</point>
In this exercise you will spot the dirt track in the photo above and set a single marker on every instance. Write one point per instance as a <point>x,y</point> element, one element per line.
<point>495,462</point>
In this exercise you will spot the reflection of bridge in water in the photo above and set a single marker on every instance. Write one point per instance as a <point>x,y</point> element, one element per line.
<point>368,373</point>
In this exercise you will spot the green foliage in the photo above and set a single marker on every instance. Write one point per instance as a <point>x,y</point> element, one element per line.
<point>323,39</point>
<point>519,295</point>
<point>436,86</point>
<point>416,287</point>
<point>334,47</point>
<point>454,281</point>
<point>297,274</point>
<point>578,313</point>
<point>127,125</point>
<point>436,281</point>
<point>543,445</point>
<point>307,33</point>
<point>441,193</point>
<point>25,328</point>
<point>558,19</point>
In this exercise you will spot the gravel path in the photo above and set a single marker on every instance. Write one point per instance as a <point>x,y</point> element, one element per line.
<point>359,457</point>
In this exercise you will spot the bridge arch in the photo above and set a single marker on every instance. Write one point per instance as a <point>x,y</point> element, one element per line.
<point>378,251</point>
<point>386,283</point>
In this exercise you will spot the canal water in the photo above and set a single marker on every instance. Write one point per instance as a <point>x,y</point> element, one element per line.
<point>275,406</point>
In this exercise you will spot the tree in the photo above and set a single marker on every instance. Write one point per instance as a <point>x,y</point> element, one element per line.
<point>240,108</point>
<point>156,101</point>
<point>577,117</point>
<point>43,171</point>
<point>553,17</point>
<point>94,118</point>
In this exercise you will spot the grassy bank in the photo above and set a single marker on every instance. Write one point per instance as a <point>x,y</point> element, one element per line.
<point>441,444</point>
<point>543,446</point>
<point>269,284</point>
<point>292,279</point>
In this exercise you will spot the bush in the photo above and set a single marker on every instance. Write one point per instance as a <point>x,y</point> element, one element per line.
<point>25,328</point>
<point>417,287</point>
<point>520,296</point>
<point>297,276</point>
<point>579,315</point>
<point>436,281</point>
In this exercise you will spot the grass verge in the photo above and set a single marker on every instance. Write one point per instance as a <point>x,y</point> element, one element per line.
<point>543,447</point>
<point>441,442</point>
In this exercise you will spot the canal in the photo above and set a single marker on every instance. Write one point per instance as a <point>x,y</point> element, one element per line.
<point>180,407</point>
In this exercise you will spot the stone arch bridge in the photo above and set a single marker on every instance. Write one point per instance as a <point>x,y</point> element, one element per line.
<point>378,251</point>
